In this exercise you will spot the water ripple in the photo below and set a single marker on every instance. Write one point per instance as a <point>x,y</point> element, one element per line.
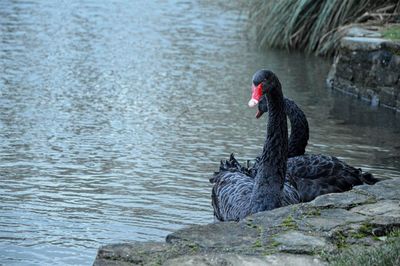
<point>114,114</point>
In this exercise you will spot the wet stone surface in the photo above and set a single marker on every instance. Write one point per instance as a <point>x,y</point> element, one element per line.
<point>301,243</point>
<point>292,235</point>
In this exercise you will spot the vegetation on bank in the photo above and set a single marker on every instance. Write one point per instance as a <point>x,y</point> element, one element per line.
<point>386,254</point>
<point>315,25</point>
<point>392,32</point>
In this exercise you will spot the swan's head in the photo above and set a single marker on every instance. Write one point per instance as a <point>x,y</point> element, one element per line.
<point>264,82</point>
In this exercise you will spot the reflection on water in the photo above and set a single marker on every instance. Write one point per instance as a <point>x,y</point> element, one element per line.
<point>113,114</point>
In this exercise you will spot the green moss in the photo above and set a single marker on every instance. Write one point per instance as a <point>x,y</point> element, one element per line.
<point>249,220</point>
<point>274,244</point>
<point>268,252</point>
<point>193,247</point>
<point>255,226</point>
<point>376,238</point>
<point>365,230</point>
<point>249,223</point>
<point>358,235</point>
<point>260,230</point>
<point>289,223</point>
<point>257,244</point>
<point>270,248</point>
<point>392,33</point>
<point>313,212</point>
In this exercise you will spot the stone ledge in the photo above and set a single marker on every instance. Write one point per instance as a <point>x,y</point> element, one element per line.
<point>367,66</point>
<point>291,235</point>
<point>238,260</point>
<point>362,43</point>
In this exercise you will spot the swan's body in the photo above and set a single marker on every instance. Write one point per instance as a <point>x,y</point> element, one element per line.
<point>236,195</point>
<point>231,186</point>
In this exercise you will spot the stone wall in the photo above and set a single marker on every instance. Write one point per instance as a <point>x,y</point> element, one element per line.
<point>368,67</point>
<point>301,234</point>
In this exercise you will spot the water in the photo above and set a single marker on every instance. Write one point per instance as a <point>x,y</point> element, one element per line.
<point>113,114</point>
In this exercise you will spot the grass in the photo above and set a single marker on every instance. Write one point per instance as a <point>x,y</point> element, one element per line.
<point>340,240</point>
<point>314,25</point>
<point>392,32</point>
<point>386,254</point>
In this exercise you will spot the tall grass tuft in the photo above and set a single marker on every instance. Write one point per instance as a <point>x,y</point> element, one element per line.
<point>314,25</point>
<point>383,254</point>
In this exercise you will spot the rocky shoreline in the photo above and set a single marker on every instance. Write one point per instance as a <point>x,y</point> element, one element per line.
<point>301,234</point>
<point>367,66</point>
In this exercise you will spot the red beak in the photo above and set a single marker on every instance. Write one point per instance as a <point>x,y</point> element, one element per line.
<point>255,95</point>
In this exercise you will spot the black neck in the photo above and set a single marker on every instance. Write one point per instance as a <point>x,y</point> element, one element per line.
<point>270,179</point>
<point>299,130</point>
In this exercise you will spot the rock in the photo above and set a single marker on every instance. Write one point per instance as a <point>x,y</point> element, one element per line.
<point>131,254</point>
<point>293,260</point>
<point>368,67</point>
<point>273,218</point>
<point>382,225</point>
<point>237,260</point>
<point>331,221</point>
<point>332,218</point>
<point>362,43</point>
<point>301,243</point>
<point>216,236</point>
<point>387,189</point>
<point>215,259</point>
<point>389,208</point>
<point>341,200</point>
<point>362,32</point>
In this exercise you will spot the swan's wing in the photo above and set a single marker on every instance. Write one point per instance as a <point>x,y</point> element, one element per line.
<point>318,174</point>
<point>314,166</point>
<point>231,195</point>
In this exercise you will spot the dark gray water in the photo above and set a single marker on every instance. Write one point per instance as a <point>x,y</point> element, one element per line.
<point>113,114</point>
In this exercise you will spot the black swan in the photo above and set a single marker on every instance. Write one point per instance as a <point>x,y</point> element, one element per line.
<point>235,195</point>
<point>298,139</point>
<point>299,130</point>
<point>315,174</point>
<point>312,174</point>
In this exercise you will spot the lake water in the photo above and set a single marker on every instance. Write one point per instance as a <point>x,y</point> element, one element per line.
<point>114,114</point>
